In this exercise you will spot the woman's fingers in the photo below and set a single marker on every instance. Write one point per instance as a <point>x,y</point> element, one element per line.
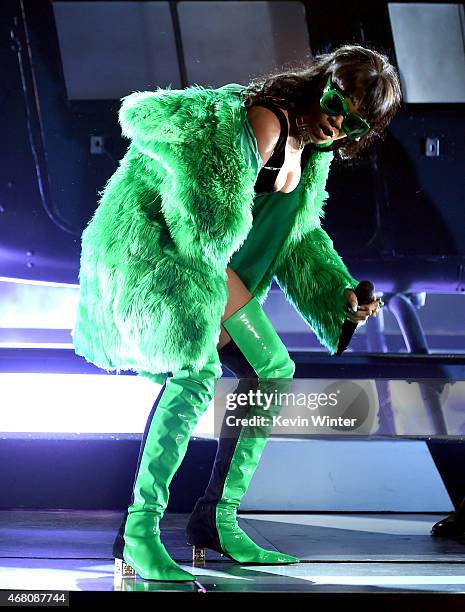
<point>363,311</point>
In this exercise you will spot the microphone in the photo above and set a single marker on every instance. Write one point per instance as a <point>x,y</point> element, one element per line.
<point>365,292</point>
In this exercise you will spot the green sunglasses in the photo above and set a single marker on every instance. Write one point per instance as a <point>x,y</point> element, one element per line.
<point>333,102</point>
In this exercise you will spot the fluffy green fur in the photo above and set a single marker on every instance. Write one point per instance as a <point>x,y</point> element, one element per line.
<point>154,255</point>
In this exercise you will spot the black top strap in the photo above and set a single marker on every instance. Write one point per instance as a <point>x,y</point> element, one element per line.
<point>267,176</point>
<point>277,159</point>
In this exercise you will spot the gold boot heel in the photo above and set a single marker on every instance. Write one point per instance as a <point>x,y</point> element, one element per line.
<point>123,571</point>
<point>198,556</point>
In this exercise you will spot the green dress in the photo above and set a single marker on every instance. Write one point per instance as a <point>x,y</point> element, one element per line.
<point>273,217</point>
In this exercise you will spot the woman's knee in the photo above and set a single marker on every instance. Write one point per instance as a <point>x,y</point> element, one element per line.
<point>282,367</point>
<point>238,296</point>
<point>278,364</point>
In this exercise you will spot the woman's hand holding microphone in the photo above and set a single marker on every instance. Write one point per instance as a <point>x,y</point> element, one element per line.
<point>357,313</point>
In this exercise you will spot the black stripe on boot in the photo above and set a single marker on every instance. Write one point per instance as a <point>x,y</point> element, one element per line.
<point>201,528</point>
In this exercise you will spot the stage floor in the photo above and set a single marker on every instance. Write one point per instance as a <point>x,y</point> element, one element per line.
<point>70,550</point>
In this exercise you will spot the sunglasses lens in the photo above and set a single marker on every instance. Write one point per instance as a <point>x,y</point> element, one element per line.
<point>332,104</point>
<point>354,127</point>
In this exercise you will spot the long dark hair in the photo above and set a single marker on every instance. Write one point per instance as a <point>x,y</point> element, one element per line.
<point>364,74</point>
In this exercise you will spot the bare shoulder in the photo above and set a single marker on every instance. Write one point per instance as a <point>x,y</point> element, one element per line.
<point>266,127</point>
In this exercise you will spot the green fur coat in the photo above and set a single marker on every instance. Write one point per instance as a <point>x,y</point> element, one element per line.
<point>154,254</point>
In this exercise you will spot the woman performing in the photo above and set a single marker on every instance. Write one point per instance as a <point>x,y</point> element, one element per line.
<point>220,192</point>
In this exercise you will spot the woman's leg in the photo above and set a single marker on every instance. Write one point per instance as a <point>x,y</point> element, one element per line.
<point>239,295</point>
<point>253,351</point>
<point>182,400</point>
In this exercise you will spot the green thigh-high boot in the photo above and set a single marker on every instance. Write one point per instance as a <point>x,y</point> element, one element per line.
<point>185,398</point>
<point>213,522</point>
